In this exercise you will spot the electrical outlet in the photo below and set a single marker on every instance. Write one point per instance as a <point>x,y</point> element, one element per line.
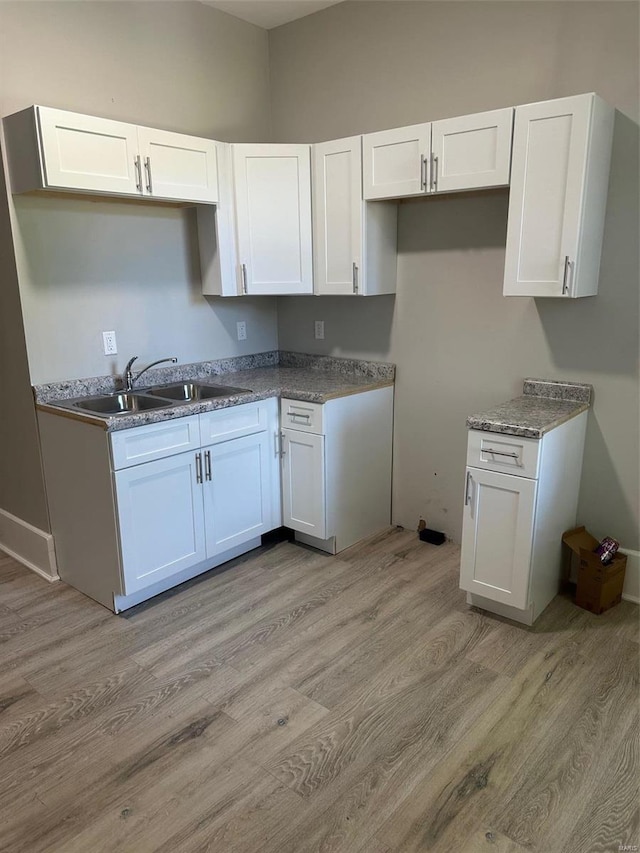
<point>241,326</point>
<point>319,330</point>
<point>109,343</point>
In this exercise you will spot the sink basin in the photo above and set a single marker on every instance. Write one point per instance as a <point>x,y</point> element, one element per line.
<point>119,404</point>
<point>188,392</point>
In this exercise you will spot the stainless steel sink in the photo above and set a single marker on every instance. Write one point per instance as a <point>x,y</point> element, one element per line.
<point>119,404</point>
<point>188,392</point>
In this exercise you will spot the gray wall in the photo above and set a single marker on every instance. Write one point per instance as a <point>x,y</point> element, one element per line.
<point>459,345</point>
<point>84,267</point>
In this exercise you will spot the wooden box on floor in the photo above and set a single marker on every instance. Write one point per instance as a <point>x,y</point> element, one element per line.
<point>599,587</point>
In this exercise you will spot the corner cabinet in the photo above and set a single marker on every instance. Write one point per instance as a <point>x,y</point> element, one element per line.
<point>50,149</point>
<point>355,242</point>
<point>272,188</point>
<point>521,494</point>
<point>336,468</point>
<point>559,183</point>
<point>463,153</point>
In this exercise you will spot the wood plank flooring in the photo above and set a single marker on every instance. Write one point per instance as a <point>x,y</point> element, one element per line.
<point>300,703</point>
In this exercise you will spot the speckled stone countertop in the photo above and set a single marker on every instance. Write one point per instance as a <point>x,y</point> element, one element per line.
<point>544,405</point>
<point>313,379</point>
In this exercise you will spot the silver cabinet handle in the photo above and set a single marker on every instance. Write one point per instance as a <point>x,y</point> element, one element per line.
<point>138,168</point>
<point>423,172</point>
<point>565,278</point>
<point>277,443</point>
<point>207,465</point>
<point>434,173</point>
<point>501,453</point>
<point>467,493</point>
<point>355,277</point>
<point>243,271</point>
<point>198,467</point>
<point>282,450</point>
<point>294,415</point>
<point>147,168</point>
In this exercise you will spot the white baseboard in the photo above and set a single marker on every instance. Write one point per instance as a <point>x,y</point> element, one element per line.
<point>28,545</point>
<point>631,589</point>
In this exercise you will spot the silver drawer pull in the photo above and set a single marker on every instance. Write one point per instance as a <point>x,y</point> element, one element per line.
<point>501,453</point>
<point>296,415</point>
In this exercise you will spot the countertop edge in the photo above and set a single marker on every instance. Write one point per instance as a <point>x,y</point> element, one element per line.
<point>481,425</point>
<point>117,423</point>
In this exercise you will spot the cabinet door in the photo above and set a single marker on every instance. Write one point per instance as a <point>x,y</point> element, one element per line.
<point>237,492</point>
<point>497,536</point>
<point>471,152</point>
<point>273,215</point>
<point>396,162</point>
<point>87,153</point>
<point>177,166</point>
<point>337,220</point>
<point>545,204</point>
<point>303,483</point>
<point>161,518</point>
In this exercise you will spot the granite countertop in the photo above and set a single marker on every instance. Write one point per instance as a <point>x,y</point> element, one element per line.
<point>544,405</point>
<point>313,379</point>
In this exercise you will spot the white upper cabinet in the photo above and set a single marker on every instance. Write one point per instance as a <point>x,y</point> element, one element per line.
<point>273,217</point>
<point>471,152</point>
<point>396,162</point>
<point>178,166</point>
<point>79,152</point>
<point>559,181</point>
<point>60,150</point>
<point>464,153</point>
<point>354,242</point>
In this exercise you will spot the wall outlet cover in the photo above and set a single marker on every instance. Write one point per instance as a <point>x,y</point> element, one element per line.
<point>109,343</point>
<point>241,327</point>
<point>319,330</point>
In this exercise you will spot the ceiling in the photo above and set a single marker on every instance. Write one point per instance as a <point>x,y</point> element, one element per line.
<point>270,13</point>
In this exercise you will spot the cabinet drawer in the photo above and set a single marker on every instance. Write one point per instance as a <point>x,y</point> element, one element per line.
<point>507,454</point>
<point>233,422</point>
<point>307,417</point>
<point>143,444</point>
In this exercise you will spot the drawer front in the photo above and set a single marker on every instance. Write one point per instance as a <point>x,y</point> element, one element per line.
<point>308,417</point>
<point>155,441</point>
<point>506,454</point>
<point>233,422</point>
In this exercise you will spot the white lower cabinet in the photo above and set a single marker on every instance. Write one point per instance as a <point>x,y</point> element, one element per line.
<point>237,491</point>
<point>521,494</point>
<point>303,483</point>
<point>497,535</point>
<point>161,520</point>
<point>336,468</point>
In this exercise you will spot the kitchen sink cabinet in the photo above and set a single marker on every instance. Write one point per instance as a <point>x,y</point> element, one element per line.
<point>144,509</point>
<point>50,149</point>
<point>462,153</point>
<point>161,520</point>
<point>559,183</point>
<point>521,494</point>
<point>355,243</point>
<point>239,491</point>
<point>336,468</point>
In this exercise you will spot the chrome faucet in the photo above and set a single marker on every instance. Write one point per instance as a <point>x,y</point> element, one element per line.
<point>128,377</point>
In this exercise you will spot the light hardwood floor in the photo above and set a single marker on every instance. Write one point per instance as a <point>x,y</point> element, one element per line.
<point>298,702</point>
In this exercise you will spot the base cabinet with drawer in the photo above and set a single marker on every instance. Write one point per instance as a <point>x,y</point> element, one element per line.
<point>521,494</point>
<point>336,468</point>
<point>143,509</point>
